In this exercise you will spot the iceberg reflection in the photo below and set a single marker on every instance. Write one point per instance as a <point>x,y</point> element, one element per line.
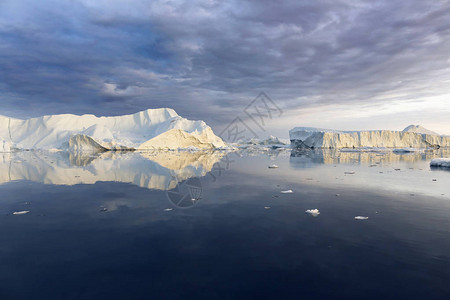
<point>305,158</point>
<point>161,170</point>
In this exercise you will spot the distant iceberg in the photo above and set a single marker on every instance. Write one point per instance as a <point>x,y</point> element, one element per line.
<point>413,136</point>
<point>159,128</point>
<point>271,142</point>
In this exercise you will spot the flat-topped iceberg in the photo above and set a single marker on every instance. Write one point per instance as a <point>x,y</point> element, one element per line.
<point>412,137</point>
<point>159,128</point>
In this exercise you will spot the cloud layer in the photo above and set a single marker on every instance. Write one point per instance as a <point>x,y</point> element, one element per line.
<point>207,59</point>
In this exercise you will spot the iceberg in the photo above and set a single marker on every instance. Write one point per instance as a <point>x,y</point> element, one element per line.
<point>440,163</point>
<point>419,129</point>
<point>286,192</point>
<point>159,128</point>
<point>410,137</point>
<point>270,142</point>
<point>22,212</point>
<point>313,212</point>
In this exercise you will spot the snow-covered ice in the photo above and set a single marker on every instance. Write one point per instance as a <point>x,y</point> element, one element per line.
<point>411,137</point>
<point>22,212</point>
<point>419,129</point>
<point>313,212</point>
<point>159,128</point>
<point>440,162</point>
<point>286,192</point>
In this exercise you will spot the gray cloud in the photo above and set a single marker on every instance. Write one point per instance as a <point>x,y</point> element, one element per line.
<point>208,59</point>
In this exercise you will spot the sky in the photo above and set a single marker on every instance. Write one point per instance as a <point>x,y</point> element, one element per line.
<point>342,64</point>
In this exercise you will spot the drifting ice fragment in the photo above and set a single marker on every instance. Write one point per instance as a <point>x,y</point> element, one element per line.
<point>168,209</point>
<point>350,172</point>
<point>440,163</point>
<point>313,212</point>
<point>21,212</point>
<point>287,192</point>
<point>273,166</point>
<point>361,218</point>
<point>266,207</point>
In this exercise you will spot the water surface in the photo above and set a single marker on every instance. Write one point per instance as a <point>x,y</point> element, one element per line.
<point>215,226</point>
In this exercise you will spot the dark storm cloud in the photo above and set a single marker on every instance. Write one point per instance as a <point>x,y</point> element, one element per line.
<point>209,58</point>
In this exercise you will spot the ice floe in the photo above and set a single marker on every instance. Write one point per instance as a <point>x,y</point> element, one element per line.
<point>440,162</point>
<point>286,192</point>
<point>313,212</point>
<point>22,212</point>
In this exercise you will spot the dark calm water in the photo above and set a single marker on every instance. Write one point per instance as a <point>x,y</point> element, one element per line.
<point>119,227</point>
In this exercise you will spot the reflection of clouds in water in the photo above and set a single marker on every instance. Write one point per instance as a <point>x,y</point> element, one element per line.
<point>186,194</point>
<point>153,170</point>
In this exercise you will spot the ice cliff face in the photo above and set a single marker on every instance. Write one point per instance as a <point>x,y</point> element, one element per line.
<point>137,131</point>
<point>327,138</point>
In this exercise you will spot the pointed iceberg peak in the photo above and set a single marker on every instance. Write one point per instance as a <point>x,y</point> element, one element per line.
<point>419,129</point>
<point>160,128</point>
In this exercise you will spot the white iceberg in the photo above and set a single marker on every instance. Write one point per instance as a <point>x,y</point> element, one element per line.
<point>313,212</point>
<point>440,163</point>
<point>411,137</point>
<point>419,129</point>
<point>286,192</point>
<point>361,218</point>
<point>22,212</point>
<point>159,128</point>
<point>271,142</point>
